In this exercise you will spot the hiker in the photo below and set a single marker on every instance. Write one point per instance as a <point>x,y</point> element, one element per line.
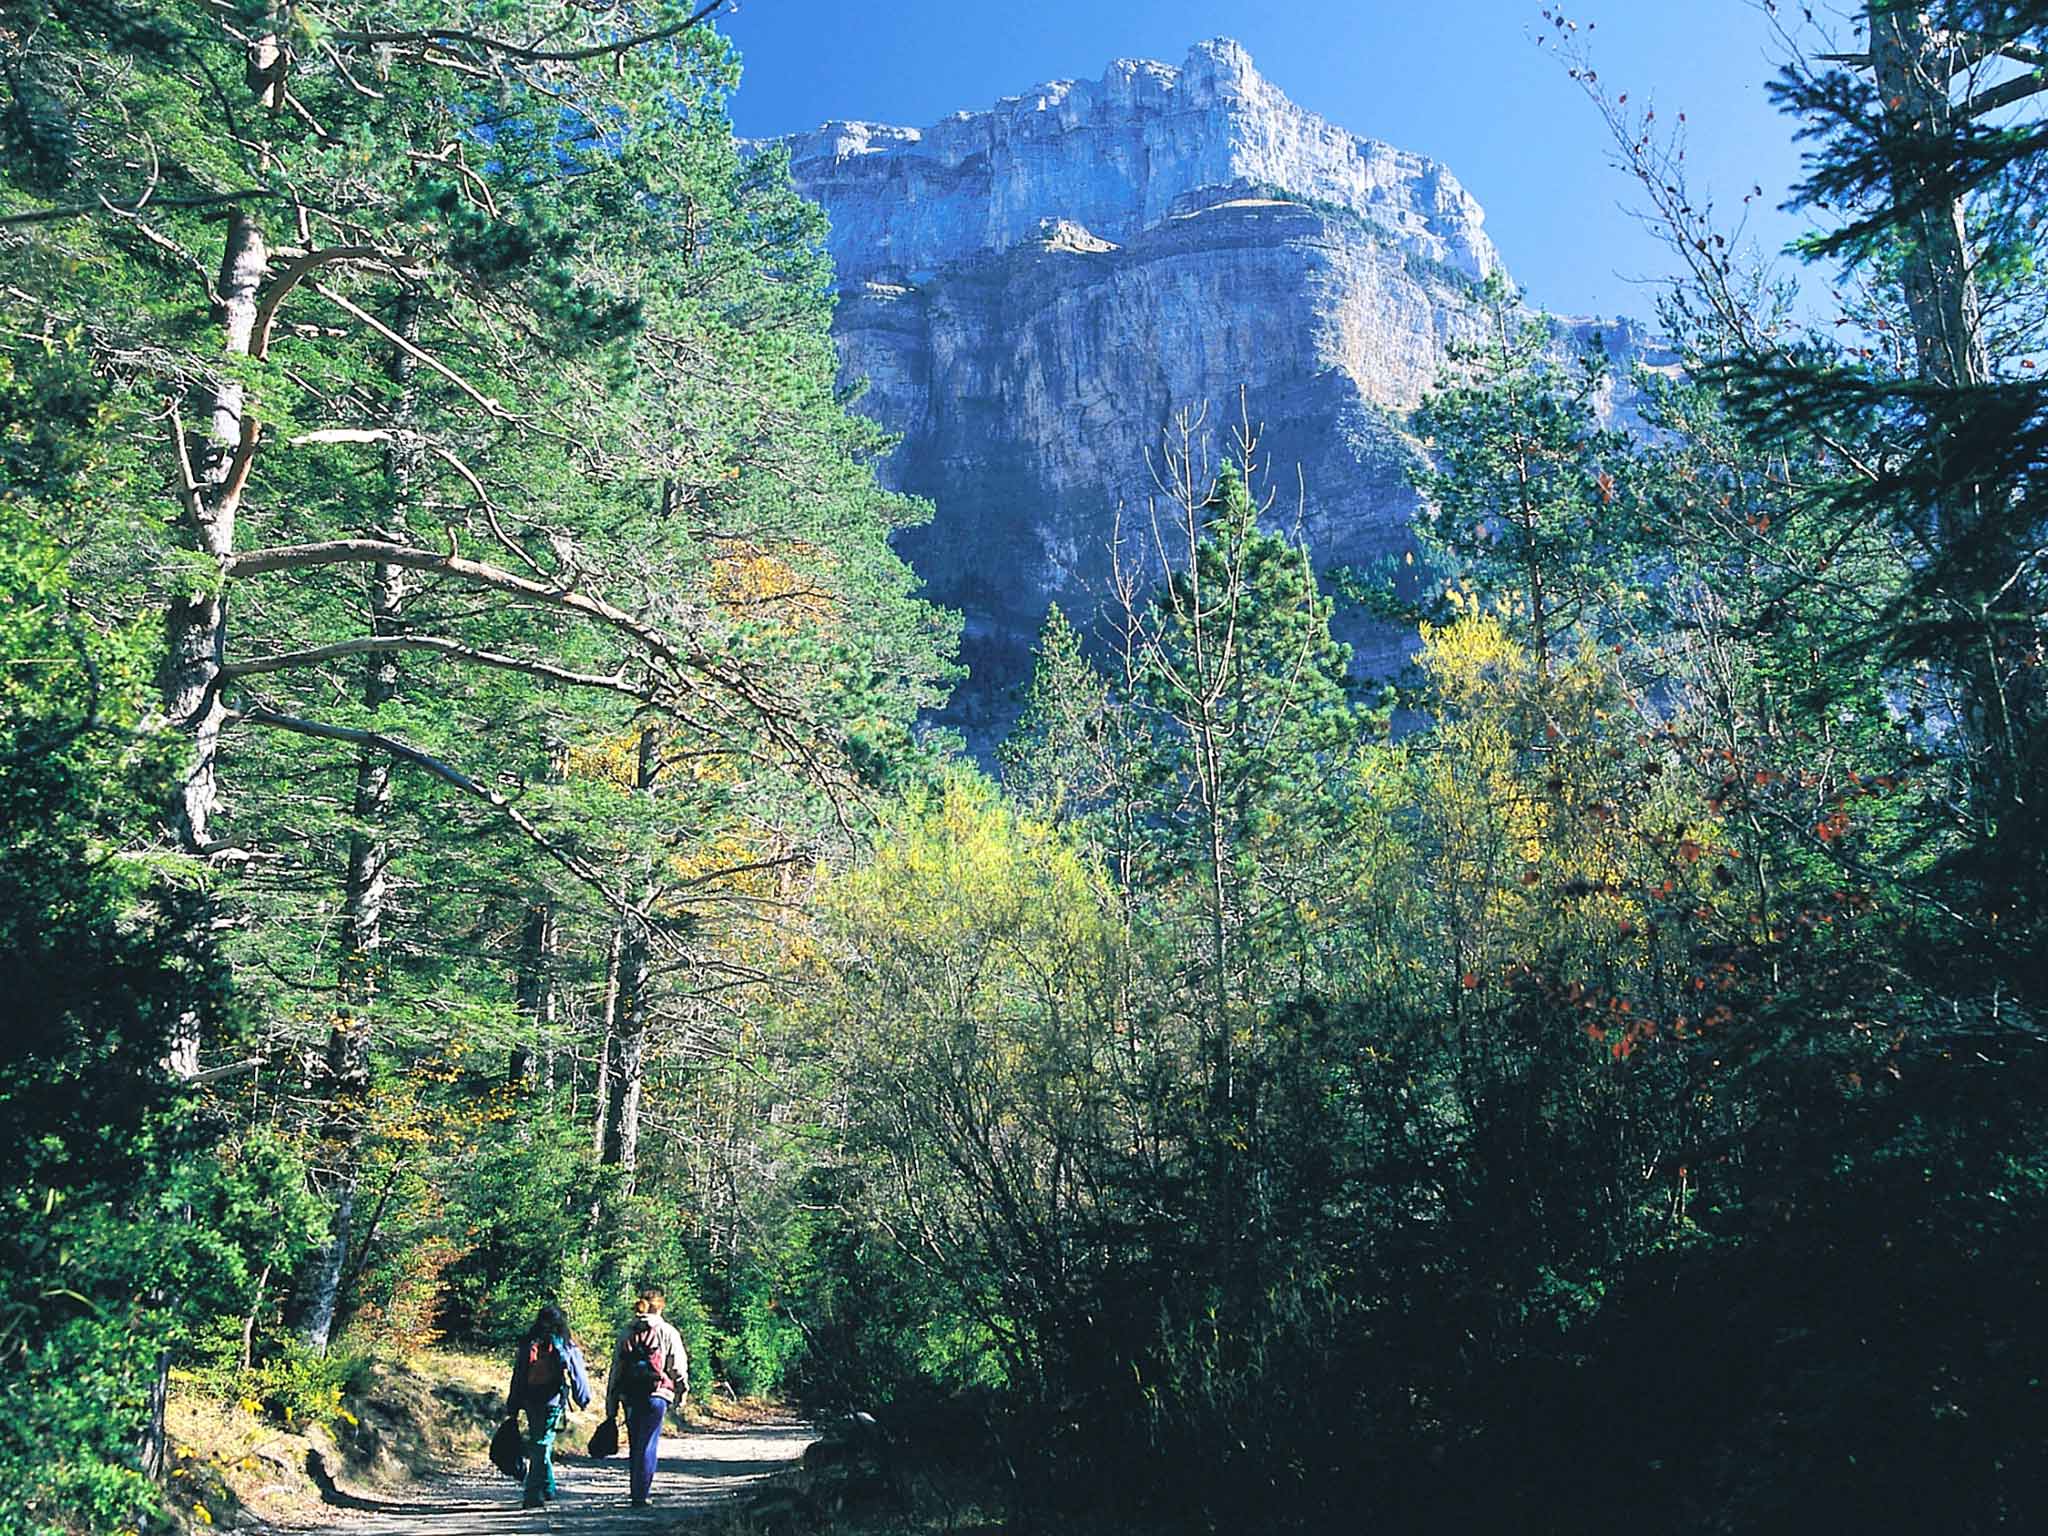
<point>650,1370</point>
<point>547,1370</point>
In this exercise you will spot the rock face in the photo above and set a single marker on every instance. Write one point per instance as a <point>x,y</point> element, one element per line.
<point>1033,292</point>
<point>1118,156</point>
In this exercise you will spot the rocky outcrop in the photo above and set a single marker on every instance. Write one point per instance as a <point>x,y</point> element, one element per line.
<point>1033,292</point>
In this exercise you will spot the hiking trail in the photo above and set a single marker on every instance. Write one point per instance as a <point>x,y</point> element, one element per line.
<point>701,1470</point>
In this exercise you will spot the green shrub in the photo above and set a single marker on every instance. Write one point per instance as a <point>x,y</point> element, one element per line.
<point>299,1386</point>
<point>522,1209</point>
<point>69,1429</point>
<point>758,1357</point>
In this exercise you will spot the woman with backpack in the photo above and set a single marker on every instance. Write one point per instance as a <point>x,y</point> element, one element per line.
<point>547,1370</point>
<point>650,1370</point>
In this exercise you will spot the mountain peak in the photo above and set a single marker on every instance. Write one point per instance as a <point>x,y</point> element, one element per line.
<point>1032,291</point>
<point>1221,55</point>
<point>1117,154</point>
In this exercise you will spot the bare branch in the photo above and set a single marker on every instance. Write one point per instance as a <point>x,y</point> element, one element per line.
<point>166,244</point>
<point>341,67</point>
<point>460,37</point>
<point>483,497</point>
<point>215,1074</point>
<point>342,435</point>
<point>297,557</point>
<point>614,682</point>
<point>87,210</point>
<point>781,861</point>
<point>452,155</point>
<point>576,865</point>
<point>243,463</point>
<point>490,406</point>
<point>295,273</point>
<point>2005,94</point>
<point>188,482</point>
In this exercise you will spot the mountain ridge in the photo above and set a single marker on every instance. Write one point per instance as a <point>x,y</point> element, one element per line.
<point>1032,292</point>
<point>1119,152</point>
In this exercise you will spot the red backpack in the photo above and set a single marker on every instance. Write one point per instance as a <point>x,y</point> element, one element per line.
<point>543,1368</point>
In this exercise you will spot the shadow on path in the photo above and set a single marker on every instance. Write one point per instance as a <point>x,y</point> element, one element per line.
<point>698,1471</point>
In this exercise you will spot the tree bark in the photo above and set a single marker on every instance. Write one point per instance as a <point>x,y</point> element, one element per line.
<point>366,887</point>
<point>626,1013</point>
<point>534,1057</point>
<point>211,467</point>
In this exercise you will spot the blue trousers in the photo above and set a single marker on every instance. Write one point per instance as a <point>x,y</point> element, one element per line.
<point>643,1441</point>
<point>542,1422</point>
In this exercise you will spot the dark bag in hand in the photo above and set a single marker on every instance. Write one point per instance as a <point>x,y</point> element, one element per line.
<point>604,1440</point>
<point>508,1449</point>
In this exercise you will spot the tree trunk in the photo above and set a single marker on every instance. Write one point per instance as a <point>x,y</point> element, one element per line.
<point>1913,70</point>
<point>249,1322</point>
<point>195,643</point>
<point>366,887</point>
<point>196,624</point>
<point>626,1011</point>
<point>536,997</point>
<point>155,1448</point>
<point>629,1043</point>
<point>607,1048</point>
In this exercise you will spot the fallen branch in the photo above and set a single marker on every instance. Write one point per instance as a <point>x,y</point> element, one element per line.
<point>215,1074</point>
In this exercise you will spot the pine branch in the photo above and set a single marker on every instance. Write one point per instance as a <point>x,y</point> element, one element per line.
<point>298,557</point>
<point>526,53</point>
<point>614,682</point>
<point>575,864</point>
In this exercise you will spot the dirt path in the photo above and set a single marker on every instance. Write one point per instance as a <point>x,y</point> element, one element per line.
<point>699,1471</point>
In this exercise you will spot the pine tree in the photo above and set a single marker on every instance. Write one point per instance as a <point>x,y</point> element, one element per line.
<point>1915,142</point>
<point>1526,496</point>
<point>1060,758</point>
<point>491,435</point>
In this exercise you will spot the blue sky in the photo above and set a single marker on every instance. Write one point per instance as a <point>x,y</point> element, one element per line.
<point>1459,80</point>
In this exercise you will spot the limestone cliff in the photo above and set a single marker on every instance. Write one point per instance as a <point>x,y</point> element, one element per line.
<point>1033,291</point>
<point>1116,156</point>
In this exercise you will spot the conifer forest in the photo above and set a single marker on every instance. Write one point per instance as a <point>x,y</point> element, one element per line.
<point>478,830</point>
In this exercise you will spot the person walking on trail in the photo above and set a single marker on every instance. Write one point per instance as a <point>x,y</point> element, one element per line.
<point>547,1370</point>
<point>650,1370</point>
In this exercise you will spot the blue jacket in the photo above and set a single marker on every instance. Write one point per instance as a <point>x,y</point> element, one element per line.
<point>574,1377</point>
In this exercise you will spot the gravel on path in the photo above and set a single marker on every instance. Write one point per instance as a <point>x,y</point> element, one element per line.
<point>699,1471</point>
